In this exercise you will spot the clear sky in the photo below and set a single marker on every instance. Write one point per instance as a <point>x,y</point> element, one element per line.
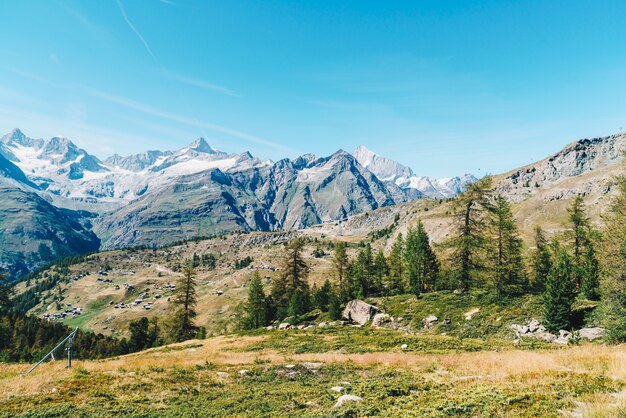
<point>445,87</point>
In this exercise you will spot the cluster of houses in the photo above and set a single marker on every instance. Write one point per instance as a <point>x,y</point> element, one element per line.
<point>70,311</point>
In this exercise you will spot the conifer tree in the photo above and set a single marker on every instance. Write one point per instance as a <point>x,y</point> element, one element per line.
<point>6,290</point>
<point>363,272</point>
<point>507,261</point>
<point>421,264</point>
<point>395,277</point>
<point>334,305</point>
<point>471,210</point>
<point>256,305</point>
<point>380,271</point>
<point>613,262</point>
<point>340,262</point>
<point>590,280</point>
<point>183,303</point>
<point>559,294</point>
<point>541,260</point>
<point>293,277</point>
<point>322,296</point>
<point>579,228</point>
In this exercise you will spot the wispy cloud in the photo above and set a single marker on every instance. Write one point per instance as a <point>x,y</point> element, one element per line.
<point>149,110</point>
<point>130,24</point>
<point>202,84</point>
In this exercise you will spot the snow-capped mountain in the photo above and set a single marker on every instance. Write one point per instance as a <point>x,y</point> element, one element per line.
<point>402,176</point>
<point>60,168</point>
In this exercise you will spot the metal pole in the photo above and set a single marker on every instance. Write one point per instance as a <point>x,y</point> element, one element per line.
<point>69,337</point>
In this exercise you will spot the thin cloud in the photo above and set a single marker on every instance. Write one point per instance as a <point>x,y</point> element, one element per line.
<point>130,24</point>
<point>202,84</point>
<point>149,110</point>
<point>55,59</point>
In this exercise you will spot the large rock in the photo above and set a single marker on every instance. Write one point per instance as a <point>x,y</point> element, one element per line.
<point>359,311</point>
<point>379,319</point>
<point>347,398</point>
<point>592,333</point>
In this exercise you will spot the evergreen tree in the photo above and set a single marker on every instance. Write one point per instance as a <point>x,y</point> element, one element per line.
<point>541,259</point>
<point>183,304</point>
<point>299,304</point>
<point>362,272</point>
<point>559,294</point>
<point>6,290</point>
<point>257,304</point>
<point>507,261</point>
<point>469,240</point>
<point>341,262</point>
<point>322,296</point>
<point>139,334</point>
<point>421,264</point>
<point>613,262</point>
<point>590,280</point>
<point>579,224</point>
<point>293,277</point>
<point>380,271</point>
<point>395,277</point>
<point>334,305</point>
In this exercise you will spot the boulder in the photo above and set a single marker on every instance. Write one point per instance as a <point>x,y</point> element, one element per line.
<point>592,333</point>
<point>429,321</point>
<point>546,336</point>
<point>404,346</point>
<point>534,325</point>
<point>337,389</point>
<point>520,329</point>
<point>379,319</point>
<point>312,365</point>
<point>284,325</point>
<point>468,315</point>
<point>347,398</point>
<point>359,311</point>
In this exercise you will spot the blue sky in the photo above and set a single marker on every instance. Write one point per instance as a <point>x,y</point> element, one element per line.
<point>445,87</point>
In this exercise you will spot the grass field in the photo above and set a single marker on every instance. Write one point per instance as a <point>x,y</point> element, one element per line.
<point>291,373</point>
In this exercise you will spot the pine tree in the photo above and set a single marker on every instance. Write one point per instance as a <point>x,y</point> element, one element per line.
<point>395,277</point>
<point>341,263</point>
<point>293,277</point>
<point>421,264</point>
<point>541,259</point>
<point>507,261</point>
<point>183,303</point>
<point>579,224</point>
<point>559,294</point>
<point>469,241</point>
<point>6,290</point>
<point>139,334</point>
<point>334,305</point>
<point>590,280</point>
<point>256,305</point>
<point>380,271</point>
<point>322,295</point>
<point>613,262</point>
<point>362,272</point>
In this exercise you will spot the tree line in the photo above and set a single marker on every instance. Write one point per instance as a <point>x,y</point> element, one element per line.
<point>485,251</point>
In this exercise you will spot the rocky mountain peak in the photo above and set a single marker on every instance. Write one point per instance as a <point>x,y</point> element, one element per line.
<point>200,145</point>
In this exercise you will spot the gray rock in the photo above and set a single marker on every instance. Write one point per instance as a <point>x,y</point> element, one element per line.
<point>284,325</point>
<point>592,333</point>
<point>337,389</point>
<point>520,329</point>
<point>346,399</point>
<point>312,365</point>
<point>533,326</point>
<point>429,321</point>
<point>359,311</point>
<point>546,336</point>
<point>379,319</point>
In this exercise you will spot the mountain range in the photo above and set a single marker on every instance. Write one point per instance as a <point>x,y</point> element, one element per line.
<point>158,197</point>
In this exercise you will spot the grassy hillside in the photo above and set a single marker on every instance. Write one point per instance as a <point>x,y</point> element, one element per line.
<point>261,375</point>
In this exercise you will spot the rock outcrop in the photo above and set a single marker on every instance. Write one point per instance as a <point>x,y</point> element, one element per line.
<point>359,312</point>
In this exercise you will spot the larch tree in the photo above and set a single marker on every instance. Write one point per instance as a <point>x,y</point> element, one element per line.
<point>579,234</point>
<point>6,290</point>
<point>506,250</point>
<point>541,260</point>
<point>559,295</point>
<point>341,263</point>
<point>613,262</point>
<point>293,278</point>
<point>421,264</point>
<point>256,306</point>
<point>395,277</point>
<point>184,300</point>
<point>471,210</point>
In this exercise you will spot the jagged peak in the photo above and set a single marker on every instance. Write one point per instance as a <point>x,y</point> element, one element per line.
<point>200,145</point>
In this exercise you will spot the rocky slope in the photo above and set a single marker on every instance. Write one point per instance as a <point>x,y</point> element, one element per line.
<point>33,231</point>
